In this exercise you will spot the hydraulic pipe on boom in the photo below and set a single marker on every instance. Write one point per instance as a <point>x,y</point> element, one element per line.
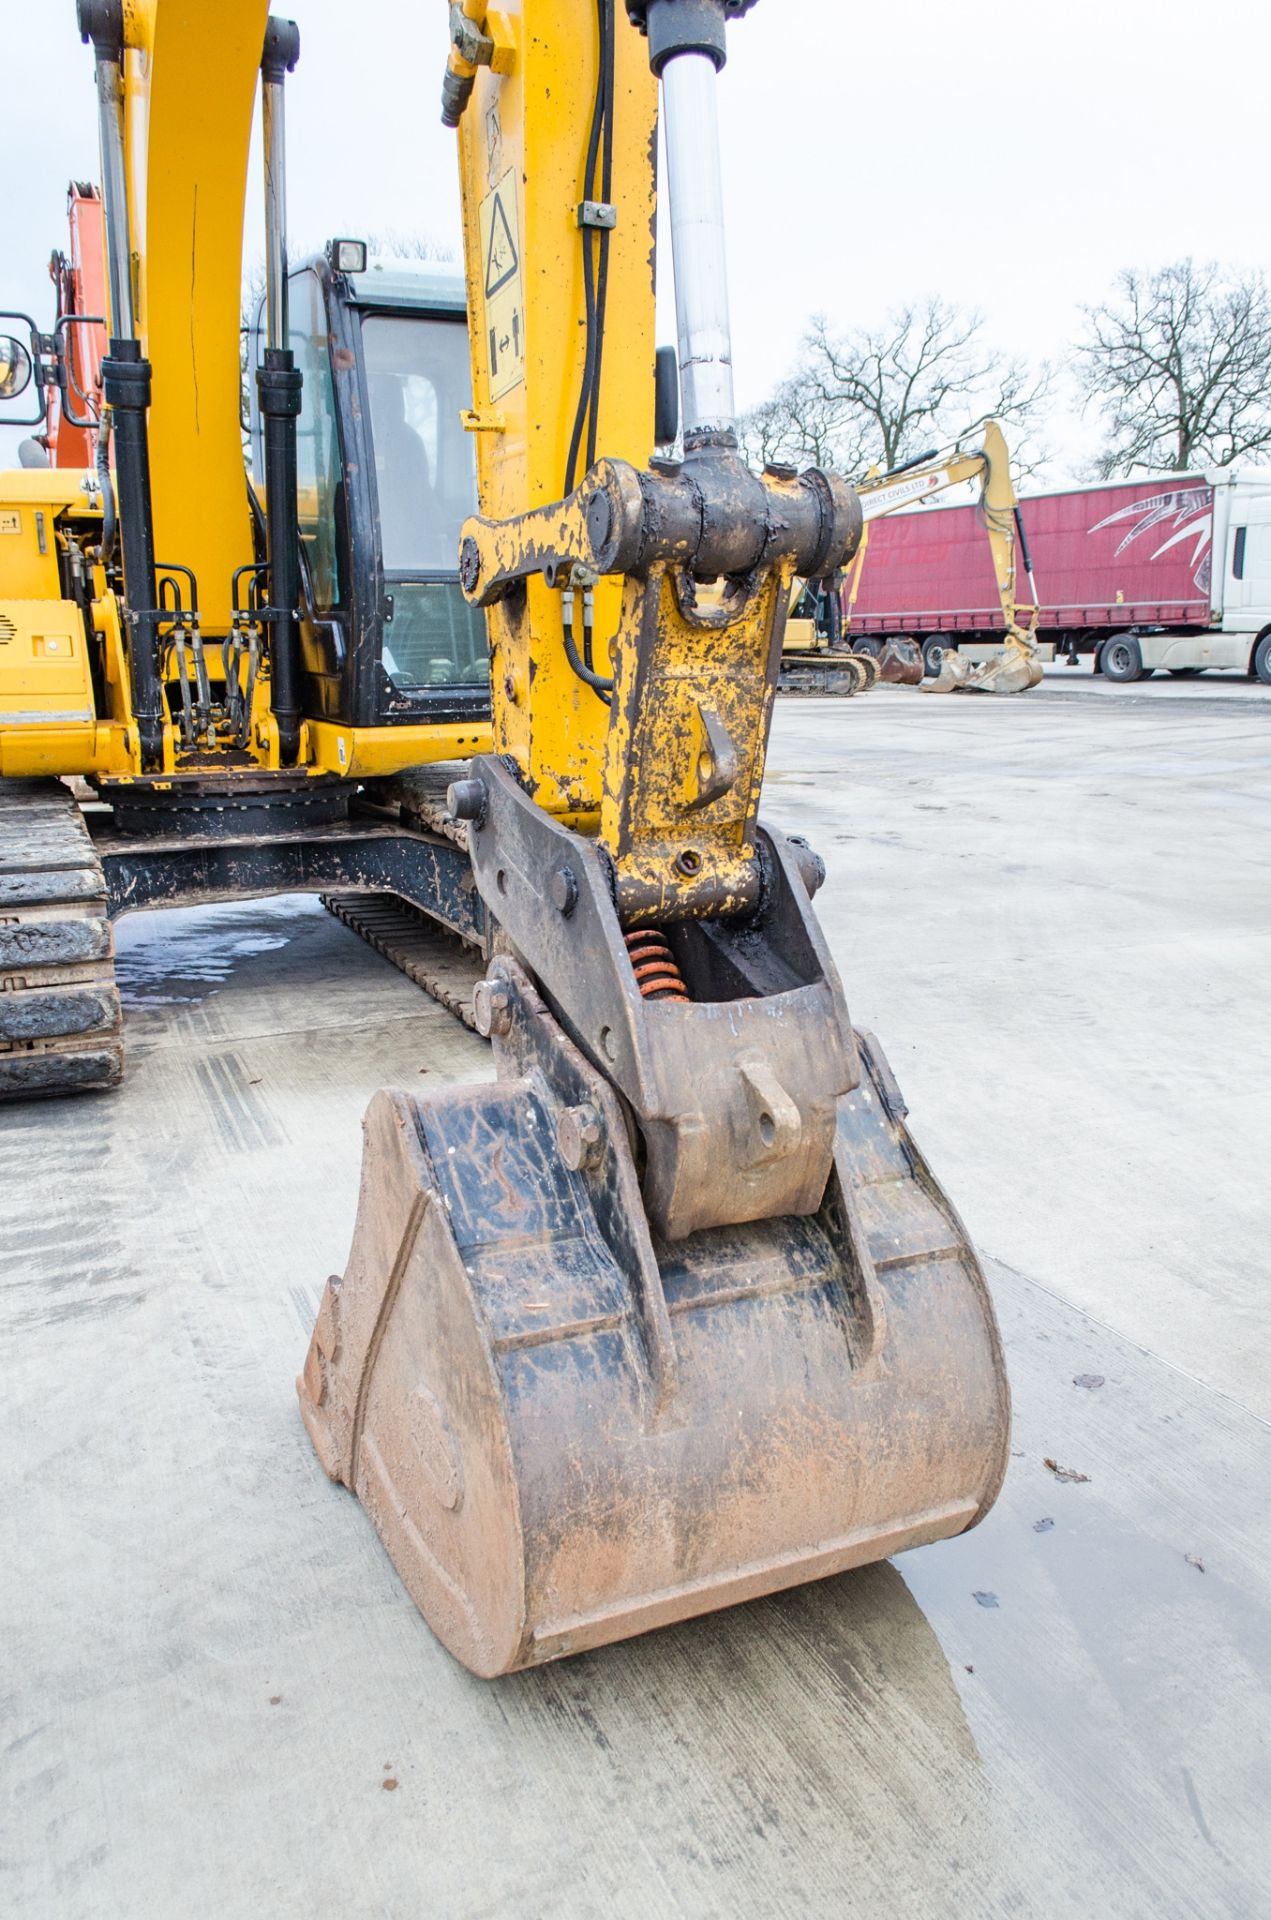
<point>101,22</point>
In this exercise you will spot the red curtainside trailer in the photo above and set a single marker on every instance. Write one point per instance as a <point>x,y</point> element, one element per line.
<point>1144,573</point>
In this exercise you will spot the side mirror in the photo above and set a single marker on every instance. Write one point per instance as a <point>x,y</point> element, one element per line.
<point>666,396</point>
<point>15,367</point>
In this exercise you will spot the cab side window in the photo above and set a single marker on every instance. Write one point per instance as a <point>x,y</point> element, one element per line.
<point>317,439</point>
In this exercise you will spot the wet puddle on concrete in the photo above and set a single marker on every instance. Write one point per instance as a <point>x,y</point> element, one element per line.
<point>180,956</point>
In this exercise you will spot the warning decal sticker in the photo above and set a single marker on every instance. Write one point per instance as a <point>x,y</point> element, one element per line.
<point>504,293</point>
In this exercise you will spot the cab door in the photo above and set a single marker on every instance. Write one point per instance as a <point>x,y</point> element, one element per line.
<point>434,652</point>
<point>326,564</point>
<point>385,479</point>
<point>1248,596</point>
<point>326,570</point>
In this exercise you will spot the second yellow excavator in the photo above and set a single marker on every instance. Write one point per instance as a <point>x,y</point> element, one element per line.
<point>821,658</point>
<point>674,1312</point>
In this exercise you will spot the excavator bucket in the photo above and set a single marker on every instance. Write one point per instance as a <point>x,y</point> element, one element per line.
<point>900,663</point>
<point>567,1431</point>
<point>1014,670</point>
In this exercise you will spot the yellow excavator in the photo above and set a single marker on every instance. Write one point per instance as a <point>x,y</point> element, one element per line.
<point>818,656</point>
<point>672,1313</point>
<point>236,665</point>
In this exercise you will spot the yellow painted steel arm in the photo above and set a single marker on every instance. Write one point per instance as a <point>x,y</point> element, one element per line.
<point>631,704</point>
<point>523,138</point>
<point>190,77</point>
<point>998,504</point>
<point>991,463</point>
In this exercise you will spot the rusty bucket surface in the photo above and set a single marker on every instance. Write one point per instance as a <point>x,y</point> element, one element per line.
<point>900,663</point>
<point>1014,670</point>
<point>566,1434</point>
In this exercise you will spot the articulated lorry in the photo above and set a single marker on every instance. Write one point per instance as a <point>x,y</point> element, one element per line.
<point>1170,573</point>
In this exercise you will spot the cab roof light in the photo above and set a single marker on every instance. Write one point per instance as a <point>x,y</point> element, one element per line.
<point>347,256</point>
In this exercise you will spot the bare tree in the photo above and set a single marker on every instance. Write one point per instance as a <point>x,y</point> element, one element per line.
<point>393,244</point>
<point>1179,364</point>
<point>251,294</point>
<point>879,395</point>
<point>794,424</point>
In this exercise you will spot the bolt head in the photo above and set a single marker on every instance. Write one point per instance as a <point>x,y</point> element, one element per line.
<point>599,520</point>
<point>580,1135</point>
<point>492,1009</point>
<point>564,890</point>
<point>465,800</point>
<point>469,564</point>
<point>809,863</point>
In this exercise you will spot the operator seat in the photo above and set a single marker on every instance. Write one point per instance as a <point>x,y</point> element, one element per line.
<point>402,475</point>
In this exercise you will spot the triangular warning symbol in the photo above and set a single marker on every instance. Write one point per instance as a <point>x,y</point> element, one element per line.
<point>500,261</point>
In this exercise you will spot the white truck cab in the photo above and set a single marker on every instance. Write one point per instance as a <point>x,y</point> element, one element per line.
<point>1240,584</point>
<point>1242,536</point>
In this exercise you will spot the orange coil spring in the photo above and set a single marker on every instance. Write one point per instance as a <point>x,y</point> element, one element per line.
<point>657,975</point>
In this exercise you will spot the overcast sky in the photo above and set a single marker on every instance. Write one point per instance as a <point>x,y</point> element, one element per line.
<point>1009,158</point>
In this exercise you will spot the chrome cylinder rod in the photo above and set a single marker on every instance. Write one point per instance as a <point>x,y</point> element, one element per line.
<point>275,143</point>
<point>110,110</point>
<point>697,244</point>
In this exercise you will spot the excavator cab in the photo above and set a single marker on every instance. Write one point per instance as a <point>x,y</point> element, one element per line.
<point>385,479</point>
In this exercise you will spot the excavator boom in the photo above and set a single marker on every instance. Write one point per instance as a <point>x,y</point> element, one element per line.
<point>674,1313</point>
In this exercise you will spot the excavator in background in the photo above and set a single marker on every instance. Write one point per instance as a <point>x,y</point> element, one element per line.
<point>816,658</point>
<point>814,655</point>
<point>69,359</point>
<point>72,355</point>
<point>673,1312</point>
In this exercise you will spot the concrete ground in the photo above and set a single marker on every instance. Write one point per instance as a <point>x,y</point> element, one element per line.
<point>1054,913</point>
<point>1224,685</point>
